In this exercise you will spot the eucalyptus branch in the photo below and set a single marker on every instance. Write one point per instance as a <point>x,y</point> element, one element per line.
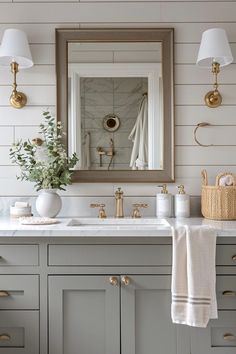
<point>47,165</point>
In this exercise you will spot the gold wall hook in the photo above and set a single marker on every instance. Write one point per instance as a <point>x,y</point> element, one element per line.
<point>203,124</point>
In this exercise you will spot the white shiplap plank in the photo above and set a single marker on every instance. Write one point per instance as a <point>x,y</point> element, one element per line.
<point>43,53</point>
<point>6,135</point>
<point>79,12</point>
<point>186,53</point>
<point>197,155</point>
<point>8,172</point>
<point>38,32</point>
<point>192,115</point>
<point>38,75</point>
<point>198,11</point>
<point>13,187</point>
<point>36,95</point>
<point>27,116</point>
<point>194,94</point>
<point>26,133</point>
<point>193,74</point>
<point>195,171</point>
<point>4,155</point>
<point>216,135</point>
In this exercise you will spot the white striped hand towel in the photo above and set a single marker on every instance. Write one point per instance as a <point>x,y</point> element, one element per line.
<point>193,275</point>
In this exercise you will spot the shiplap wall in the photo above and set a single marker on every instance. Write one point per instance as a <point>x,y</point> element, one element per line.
<point>189,19</point>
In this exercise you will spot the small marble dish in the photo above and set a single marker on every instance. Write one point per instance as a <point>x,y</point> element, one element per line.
<point>37,221</point>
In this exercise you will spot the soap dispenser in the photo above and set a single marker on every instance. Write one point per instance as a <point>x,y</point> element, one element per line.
<point>163,203</point>
<point>182,203</point>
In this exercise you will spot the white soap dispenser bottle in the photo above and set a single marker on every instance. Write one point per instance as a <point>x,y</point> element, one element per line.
<point>163,203</point>
<point>182,203</point>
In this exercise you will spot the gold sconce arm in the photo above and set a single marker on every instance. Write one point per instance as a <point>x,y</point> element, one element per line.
<point>203,124</point>
<point>17,99</point>
<point>213,98</point>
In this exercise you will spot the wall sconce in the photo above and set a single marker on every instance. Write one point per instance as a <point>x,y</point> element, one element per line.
<point>214,52</point>
<point>15,52</point>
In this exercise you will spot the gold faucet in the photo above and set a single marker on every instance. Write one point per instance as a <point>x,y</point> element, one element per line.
<point>101,211</point>
<point>136,212</point>
<point>119,203</point>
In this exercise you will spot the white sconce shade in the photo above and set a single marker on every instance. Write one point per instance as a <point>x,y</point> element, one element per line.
<point>15,48</point>
<point>214,48</point>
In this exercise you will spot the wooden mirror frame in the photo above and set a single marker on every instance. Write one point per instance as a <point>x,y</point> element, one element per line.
<point>163,35</point>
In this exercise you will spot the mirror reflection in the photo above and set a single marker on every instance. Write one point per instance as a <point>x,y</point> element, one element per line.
<point>115,105</point>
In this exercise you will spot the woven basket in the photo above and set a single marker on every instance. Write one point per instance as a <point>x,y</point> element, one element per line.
<point>218,202</point>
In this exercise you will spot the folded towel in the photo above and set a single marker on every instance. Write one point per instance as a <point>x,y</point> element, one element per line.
<point>193,275</point>
<point>227,180</point>
<point>21,204</point>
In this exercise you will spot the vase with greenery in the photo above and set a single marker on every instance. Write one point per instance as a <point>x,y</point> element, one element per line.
<point>45,162</point>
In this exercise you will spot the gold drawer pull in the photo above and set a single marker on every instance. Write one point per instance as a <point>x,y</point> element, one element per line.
<point>229,337</point>
<point>5,336</point>
<point>125,280</point>
<point>229,293</point>
<point>234,257</point>
<point>113,281</point>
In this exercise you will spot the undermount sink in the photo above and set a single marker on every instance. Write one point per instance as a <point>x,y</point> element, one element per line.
<point>122,223</point>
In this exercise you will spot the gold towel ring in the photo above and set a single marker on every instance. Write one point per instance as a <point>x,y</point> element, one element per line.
<point>203,124</point>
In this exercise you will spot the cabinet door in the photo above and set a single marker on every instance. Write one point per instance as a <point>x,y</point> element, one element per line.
<point>146,326</point>
<point>84,315</point>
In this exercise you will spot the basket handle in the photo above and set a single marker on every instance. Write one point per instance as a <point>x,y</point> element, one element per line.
<point>204,178</point>
<point>218,177</point>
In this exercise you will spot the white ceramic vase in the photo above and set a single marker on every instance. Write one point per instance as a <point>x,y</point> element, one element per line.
<point>48,203</point>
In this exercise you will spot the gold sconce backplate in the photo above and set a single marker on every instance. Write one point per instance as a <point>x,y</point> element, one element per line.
<point>213,99</point>
<point>18,99</point>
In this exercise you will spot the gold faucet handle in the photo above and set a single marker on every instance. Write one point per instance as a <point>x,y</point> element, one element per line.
<point>136,211</point>
<point>101,211</point>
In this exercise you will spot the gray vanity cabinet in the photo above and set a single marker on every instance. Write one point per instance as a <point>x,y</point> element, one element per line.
<point>146,326</point>
<point>89,315</point>
<point>84,316</point>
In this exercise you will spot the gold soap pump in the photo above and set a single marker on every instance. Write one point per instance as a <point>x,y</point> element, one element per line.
<point>163,203</point>
<point>182,203</point>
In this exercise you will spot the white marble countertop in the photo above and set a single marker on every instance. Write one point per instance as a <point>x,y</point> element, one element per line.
<point>12,228</point>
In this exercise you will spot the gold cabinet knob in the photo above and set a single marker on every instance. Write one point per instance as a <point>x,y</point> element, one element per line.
<point>4,293</point>
<point>234,257</point>
<point>229,293</point>
<point>125,280</point>
<point>5,336</point>
<point>113,281</point>
<point>229,336</point>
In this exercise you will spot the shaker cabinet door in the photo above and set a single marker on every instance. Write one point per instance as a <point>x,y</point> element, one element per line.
<point>146,326</point>
<point>84,315</point>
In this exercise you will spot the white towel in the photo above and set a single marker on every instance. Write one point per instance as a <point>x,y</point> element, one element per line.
<point>85,160</point>
<point>139,137</point>
<point>193,275</point>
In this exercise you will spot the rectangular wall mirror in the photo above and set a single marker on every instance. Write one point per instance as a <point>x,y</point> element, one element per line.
<point>115,100</point>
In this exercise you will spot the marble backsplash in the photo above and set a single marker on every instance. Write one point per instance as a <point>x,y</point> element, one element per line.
<point>80,206</point>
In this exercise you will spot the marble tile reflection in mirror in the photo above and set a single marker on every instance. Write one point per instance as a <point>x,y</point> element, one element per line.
<point>122,81</point>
